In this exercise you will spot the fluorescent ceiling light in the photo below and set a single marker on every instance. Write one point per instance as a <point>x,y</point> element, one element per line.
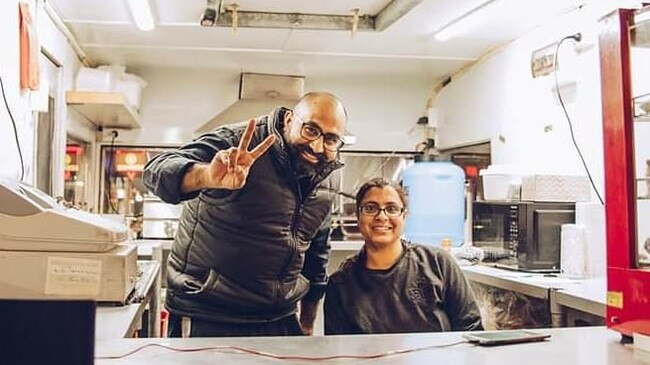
<point>467,21</point>
<point>141,12</point>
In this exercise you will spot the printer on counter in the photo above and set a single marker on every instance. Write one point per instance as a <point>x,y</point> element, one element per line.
<point>48,251</point>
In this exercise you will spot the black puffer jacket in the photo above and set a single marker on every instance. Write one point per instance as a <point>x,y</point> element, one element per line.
<point>245,255</point>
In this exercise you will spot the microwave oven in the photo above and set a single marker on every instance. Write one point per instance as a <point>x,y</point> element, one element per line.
<point>521,235</point>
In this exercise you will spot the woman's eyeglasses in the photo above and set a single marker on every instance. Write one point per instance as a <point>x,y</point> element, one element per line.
<point>372,209</point>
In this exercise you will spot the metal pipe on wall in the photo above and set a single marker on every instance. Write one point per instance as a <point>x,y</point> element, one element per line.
<point>68,35</point>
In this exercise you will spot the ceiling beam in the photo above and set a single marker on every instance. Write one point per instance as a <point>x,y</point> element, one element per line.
<point>254,19</point>
<point>394,11</point>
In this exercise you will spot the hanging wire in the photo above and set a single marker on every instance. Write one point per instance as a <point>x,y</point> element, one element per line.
<point>576,37</point>
<point>13,123</point>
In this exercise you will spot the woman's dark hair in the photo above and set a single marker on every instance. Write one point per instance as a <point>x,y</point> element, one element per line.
<point>380,182</point>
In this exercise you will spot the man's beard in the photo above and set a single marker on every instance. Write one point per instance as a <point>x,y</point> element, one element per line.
<point>303,165</point>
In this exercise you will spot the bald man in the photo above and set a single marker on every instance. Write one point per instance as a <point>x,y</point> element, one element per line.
<point>253,239</point>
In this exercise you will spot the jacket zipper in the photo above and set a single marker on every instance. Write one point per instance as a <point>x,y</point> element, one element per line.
<point>292,248</point>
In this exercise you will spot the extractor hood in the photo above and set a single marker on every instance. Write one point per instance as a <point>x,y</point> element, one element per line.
<point>258,95</point>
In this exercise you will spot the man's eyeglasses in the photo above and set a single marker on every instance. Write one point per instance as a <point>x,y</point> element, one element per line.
<point>372,209</point>
<point>311,132</point>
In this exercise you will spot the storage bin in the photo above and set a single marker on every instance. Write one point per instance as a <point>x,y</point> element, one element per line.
<point>93,79</point>
<point>131,86</point>
<point>499,182</point>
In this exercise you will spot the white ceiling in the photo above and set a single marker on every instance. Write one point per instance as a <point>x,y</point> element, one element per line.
<point>105,31</point>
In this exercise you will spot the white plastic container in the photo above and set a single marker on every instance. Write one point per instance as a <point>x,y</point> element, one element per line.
<point>574,251</point>
<point>111,78</point>
<point>93,79</point>
<point>500,182</point>
<point>131,86</point>
<point>100,79</point>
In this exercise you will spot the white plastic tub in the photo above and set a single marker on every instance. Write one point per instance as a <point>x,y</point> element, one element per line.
<point>131,86</point>
<point>500,183</point>
<point>92,79</point>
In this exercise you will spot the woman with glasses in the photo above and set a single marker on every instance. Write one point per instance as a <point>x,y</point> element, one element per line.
<point>392,285</point>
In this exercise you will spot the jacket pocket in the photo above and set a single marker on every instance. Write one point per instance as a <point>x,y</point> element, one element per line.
<point>223,291</point>
<point>294,290</point>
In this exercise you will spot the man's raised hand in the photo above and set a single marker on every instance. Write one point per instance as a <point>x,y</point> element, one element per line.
<point>229,168</point>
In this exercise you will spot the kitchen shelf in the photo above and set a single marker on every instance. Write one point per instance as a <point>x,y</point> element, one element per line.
<point>104,109</point>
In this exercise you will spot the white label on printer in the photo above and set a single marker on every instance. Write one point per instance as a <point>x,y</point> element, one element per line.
<point>70,276</point>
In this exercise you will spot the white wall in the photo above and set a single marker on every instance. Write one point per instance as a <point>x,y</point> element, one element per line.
<point>18,101</point>
<point>177,101</point>
<point>55,44</point>
<point>499,100</point>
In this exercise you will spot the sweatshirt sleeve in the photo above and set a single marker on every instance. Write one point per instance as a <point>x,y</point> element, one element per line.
<point>459,301</point>
<point>163,175</point>
<point>336,322</point>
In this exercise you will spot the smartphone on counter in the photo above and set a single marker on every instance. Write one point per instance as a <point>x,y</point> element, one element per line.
<point>495,338</point>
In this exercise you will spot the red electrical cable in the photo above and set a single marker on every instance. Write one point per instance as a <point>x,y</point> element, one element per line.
<point>280,357</point>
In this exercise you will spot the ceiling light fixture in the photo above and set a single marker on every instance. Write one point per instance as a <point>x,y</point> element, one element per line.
<point>466,21</point>
<point>141,13</point>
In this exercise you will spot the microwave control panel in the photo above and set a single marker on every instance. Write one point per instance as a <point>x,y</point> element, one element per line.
<point>512,241</point>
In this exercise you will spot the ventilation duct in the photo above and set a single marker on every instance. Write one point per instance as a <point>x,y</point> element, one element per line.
<point>258,95</point>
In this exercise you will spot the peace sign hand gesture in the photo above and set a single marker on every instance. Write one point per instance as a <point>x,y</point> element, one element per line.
<point>229,168</point>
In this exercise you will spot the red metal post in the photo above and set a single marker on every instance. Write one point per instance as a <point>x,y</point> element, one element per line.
<point>628,288</point>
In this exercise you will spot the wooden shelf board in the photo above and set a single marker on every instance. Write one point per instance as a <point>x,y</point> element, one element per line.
<point>104,109</point>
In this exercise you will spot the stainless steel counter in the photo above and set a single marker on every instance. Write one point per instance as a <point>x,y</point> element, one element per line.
<point>574,346</point>
<point>534,285</point>
<point>563,294</point>
<point>587,296</point>
<point>582,303</point>
<point>122,321</point>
